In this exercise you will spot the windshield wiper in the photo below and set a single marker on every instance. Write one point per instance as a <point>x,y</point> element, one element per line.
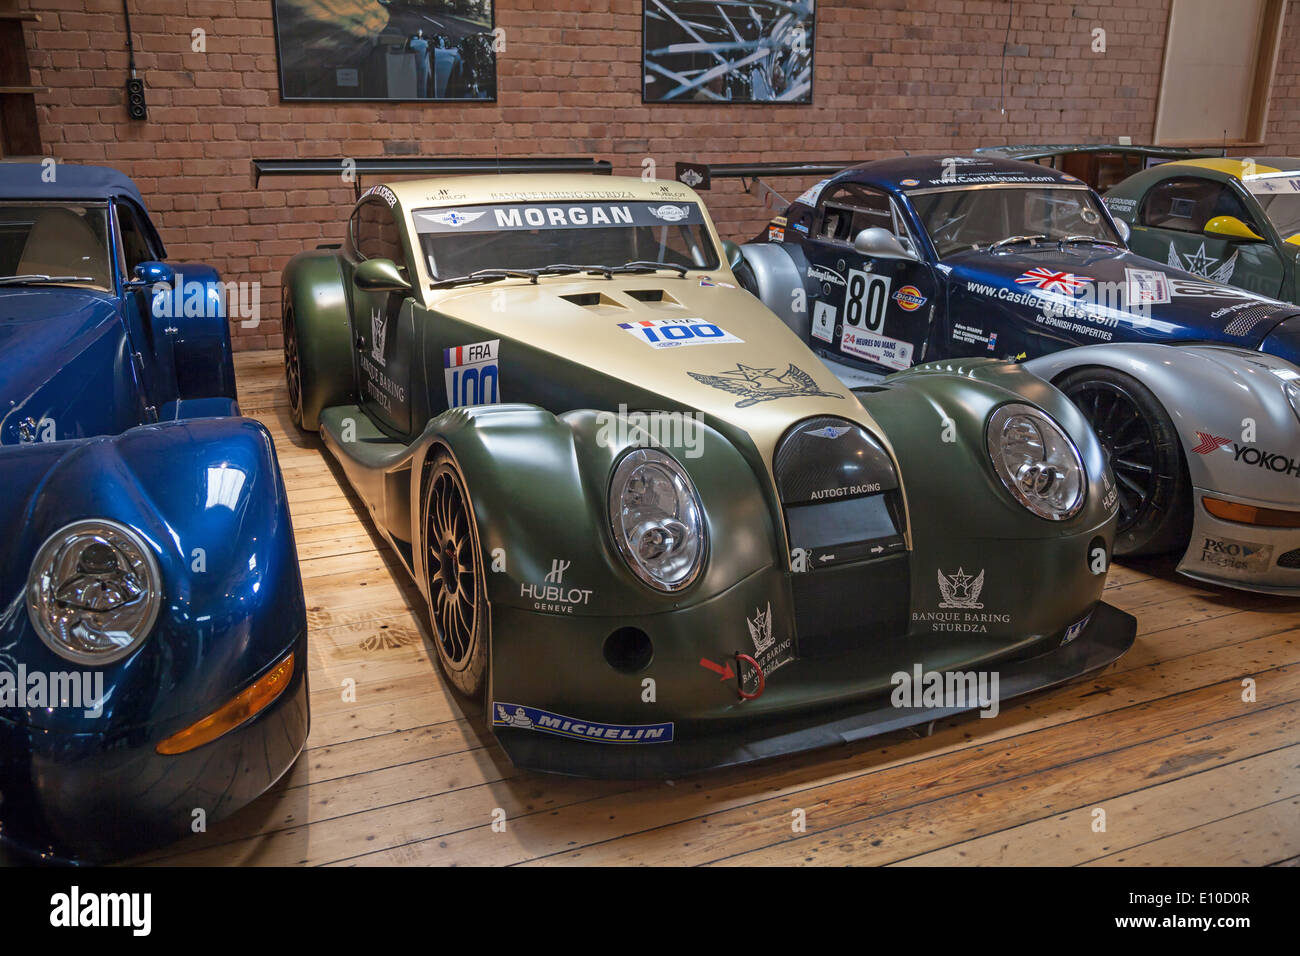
<point>564,268</point>
<point>487,275</point>
<point>645,265</point>
<point>1013,240</point>
<point>37,279</point>
<point>1095,239</point>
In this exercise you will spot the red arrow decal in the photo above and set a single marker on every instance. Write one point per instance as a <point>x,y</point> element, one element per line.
<point>726,671</point>
<point>1209,443</point>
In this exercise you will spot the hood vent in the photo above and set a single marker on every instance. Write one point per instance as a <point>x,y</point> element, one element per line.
<point>655,296</point>
<point>595,302</point>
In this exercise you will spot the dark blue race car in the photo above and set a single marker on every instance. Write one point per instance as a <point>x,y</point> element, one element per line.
<point>152,622</point>
<point>1192,385</point>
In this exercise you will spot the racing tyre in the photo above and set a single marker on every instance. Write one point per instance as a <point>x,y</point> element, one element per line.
<point>744,274</point>
<point>457,600</point>
<point>292,363</point>
<point>1155,495</point>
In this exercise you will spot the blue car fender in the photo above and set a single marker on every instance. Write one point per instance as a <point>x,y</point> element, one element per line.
<point>207,497</point>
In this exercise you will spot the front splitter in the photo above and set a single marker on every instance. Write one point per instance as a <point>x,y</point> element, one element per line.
<point>1110,632</point>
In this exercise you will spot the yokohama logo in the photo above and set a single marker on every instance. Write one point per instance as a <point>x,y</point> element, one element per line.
<point>1209,443</point>
<point>1271,461</point>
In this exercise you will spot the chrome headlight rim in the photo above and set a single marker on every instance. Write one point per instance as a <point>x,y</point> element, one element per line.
<point>629,460</point>
<point>1291,388</point>
<point>36,591</point>
<point>1035,505</point>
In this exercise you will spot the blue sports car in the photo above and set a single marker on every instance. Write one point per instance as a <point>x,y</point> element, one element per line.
<point>1192,386</point>
<point>152,621</point>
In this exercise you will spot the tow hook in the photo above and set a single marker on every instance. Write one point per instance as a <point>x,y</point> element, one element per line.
<point>740,678</point>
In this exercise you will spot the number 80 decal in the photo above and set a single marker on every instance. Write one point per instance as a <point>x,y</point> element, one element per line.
<point>865,300</point>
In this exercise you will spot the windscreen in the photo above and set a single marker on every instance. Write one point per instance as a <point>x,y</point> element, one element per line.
<point>959,219</point>
<point>63,241</point>
<point>457,242</point>
<point>1279,197</point>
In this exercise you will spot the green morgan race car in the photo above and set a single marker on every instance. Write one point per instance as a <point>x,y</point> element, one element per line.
<point>652,529</point>
<point>1231,220</point>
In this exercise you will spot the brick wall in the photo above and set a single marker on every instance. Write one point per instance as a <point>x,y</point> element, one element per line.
<point>921,75</point>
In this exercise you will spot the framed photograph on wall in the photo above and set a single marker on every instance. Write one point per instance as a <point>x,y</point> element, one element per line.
<point>399,50</point>
<point>727,51</point>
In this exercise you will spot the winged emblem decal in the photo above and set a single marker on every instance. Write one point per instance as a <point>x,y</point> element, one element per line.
<point>453,217</point>
<point>1198,263</point>
<point>960,589</point>
<point>760,629</point>
<point>755,385</point>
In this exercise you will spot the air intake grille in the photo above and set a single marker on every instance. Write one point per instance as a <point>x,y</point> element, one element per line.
<point>845,521</point>
<point>1290,560</point>
<point>1247,320</point>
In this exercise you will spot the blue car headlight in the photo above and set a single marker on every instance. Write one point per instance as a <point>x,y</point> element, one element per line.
<point>94,591</point>
<point>656,519</point>
<point>1037,461</point>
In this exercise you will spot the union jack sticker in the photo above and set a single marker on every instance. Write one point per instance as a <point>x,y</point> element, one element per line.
<point>1050,281</point>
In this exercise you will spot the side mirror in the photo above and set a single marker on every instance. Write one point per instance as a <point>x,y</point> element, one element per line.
<point>880,244</point>
<point>380,275</point>
<point>1232,229</point>
<point>154,273</point>
<point>732,252</point>
<point>1125,230</point>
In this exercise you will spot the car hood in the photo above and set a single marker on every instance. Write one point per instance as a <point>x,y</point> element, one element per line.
<point>587,333</point>
<point>48,335</point>
<point>1183,304</point>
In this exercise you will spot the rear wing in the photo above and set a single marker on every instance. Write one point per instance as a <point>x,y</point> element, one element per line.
<point>1034,152</point>
<point>701,176</point>
<point>1100,165</point>
<point>351,170</point>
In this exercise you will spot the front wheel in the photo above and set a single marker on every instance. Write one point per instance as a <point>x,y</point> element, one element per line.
<point>292,364</point>
<point>454,568</point>
<point>1154,488</point>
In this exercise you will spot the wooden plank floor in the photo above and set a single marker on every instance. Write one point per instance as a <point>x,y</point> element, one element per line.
<point>1184,770</point>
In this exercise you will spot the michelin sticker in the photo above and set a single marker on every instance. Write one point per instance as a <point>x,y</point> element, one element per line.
<point>472,375</point>
<point>674,333</point>
<point>534,718</point>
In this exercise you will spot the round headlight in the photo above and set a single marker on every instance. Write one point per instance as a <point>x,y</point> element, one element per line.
<point>93,591</point>
<point>1292,389</point>
<point>1036,461</point>
<point>656,518</point>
